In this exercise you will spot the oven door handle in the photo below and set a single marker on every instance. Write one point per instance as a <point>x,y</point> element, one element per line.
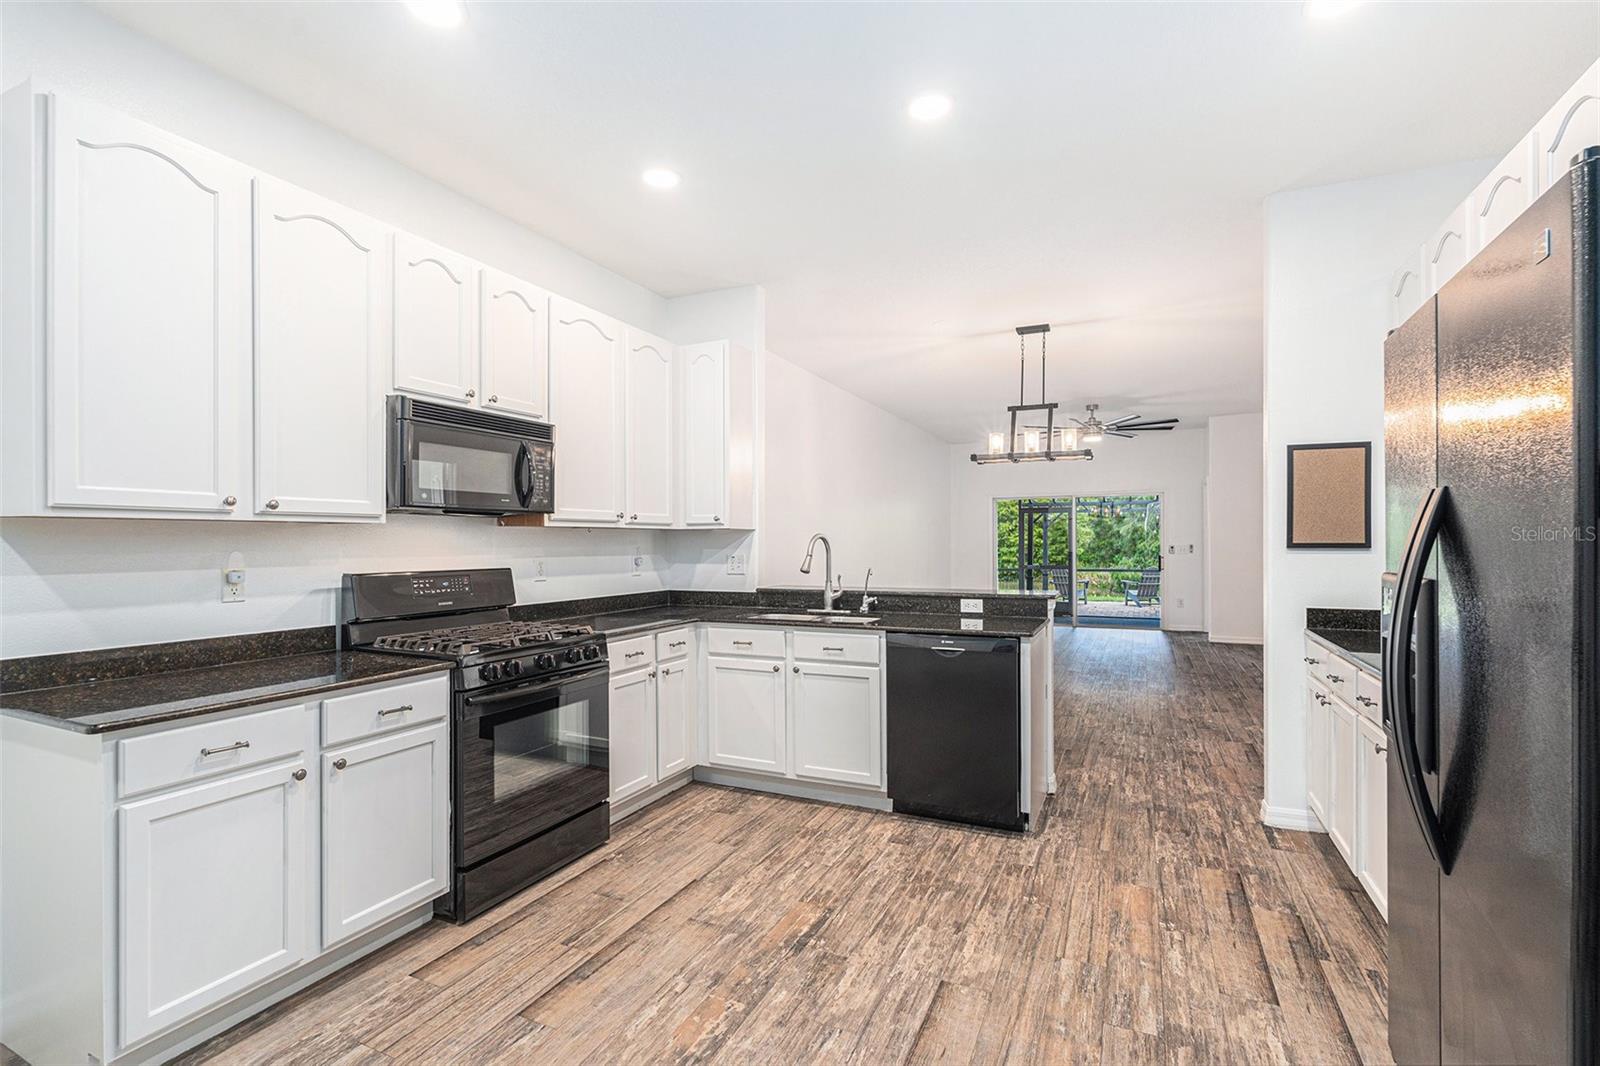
<point>496,698</point>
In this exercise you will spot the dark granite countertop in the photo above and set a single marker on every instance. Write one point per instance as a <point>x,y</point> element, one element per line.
<point>145,699</point>
<point>1360,646</point>
<point>627,623</point>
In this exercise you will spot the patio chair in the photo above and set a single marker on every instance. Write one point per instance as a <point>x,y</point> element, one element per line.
<point>1058,578</point>
<point>1143,592</point>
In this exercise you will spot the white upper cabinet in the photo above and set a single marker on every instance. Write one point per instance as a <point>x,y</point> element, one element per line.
<point>516,346</point>
<point>148,282</point>
<point>435,320</point>
<point>1406,287</point>
<point>1568,128</point>
<point>705,427</point>
<point>650,454</point>
<point>1447,251</point>
<point>1503,195</point>
<point>321,341</point>
<point>586,369</point>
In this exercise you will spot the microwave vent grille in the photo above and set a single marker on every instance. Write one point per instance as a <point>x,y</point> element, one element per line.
<point>444,414</point>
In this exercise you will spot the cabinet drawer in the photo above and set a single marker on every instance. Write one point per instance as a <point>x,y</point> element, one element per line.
<point>1340,677</point>
<point>837,647</point>
<point>176,756</point>
<point>1317,658</point>
<point>1369,696</point>
<point>767,643</point>
<point>674,644</point>
<point>631,653</point>
<point>380,710</point>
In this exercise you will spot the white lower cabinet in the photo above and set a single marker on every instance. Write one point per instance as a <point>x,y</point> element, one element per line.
<point>1317,701</point>
<point>1342,805</point>
<point>675,718</point>
<point>837,715</point>
<point>385,828</point>
<point>746,724</point>
<point>211,896</point>
<point>632,732</point>
<point>1372,836</point>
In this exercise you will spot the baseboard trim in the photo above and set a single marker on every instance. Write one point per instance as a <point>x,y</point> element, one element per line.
<point>634,804</point>
<point>1302,819</point>
<point>1183,629</point>
<point>1216,639</point>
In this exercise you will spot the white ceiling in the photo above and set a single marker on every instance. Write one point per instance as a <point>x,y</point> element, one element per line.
<point>1103,169</point>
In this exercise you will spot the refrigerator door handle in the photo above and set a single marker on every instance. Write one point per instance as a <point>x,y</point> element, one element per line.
<point>1396,681</point>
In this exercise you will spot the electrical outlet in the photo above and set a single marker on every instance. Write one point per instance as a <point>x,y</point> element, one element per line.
<point>971,606</point>
<point>538,570</point>
<point>233,586</point>
<point>736,564</point>
<point>972,623</point>
<point>638,566</point>
<point>1180,601</point>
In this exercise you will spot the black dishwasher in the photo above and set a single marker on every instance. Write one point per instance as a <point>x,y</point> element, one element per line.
<point>955,729</point>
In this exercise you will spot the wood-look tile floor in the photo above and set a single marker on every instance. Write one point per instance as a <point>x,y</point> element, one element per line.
<point>1154,919</point>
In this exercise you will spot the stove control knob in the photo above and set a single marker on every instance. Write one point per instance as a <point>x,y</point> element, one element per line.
<point>591,652</point>
<point>573,655</point>
<point>514,668</point>
<point>545,661</point>
<point>490,672</point>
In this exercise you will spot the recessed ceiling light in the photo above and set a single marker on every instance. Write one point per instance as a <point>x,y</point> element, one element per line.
<point>661,178</point>
<point>1330,9</point>
<point>930,107</point>
<point>443,14</point>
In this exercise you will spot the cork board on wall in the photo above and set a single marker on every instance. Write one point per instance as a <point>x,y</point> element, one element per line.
<point>1330,495</point>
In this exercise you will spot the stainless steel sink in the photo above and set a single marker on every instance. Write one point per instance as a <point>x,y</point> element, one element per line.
<point>829,619</point>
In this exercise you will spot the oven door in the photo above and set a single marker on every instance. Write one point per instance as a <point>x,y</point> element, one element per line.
<point>449,468</point>
<point>528,759</point>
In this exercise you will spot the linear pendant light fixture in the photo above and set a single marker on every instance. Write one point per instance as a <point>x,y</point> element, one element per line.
<point>1029,443</point>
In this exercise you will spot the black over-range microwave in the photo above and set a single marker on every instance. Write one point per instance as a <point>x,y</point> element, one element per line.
<point>455,460</point>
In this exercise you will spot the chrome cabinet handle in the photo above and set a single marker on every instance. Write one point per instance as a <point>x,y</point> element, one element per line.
<point>741,643</point>
<point>1336,679</point>
<point>402,709</point>
<point>1367,701</point>
<point>1321,698</point>
<point>619,514</point>
<point>776,668</point>
<point>272,505</point>
<point>1309,661</point>
<point>230,501</point>
<point>1379,749</point>
<point>299,775</point>
<point>340,764</point>
<point>494,399</point>
<point>839,650</point>
<point>633,518</point>
<point>797,669</point>
<point>631,654</point>
<point>471,393</point>
<point>236,745</point>
<point>652,673</point>
<point>676,643</point>
<point>716,518</point>
<point>666,671</point>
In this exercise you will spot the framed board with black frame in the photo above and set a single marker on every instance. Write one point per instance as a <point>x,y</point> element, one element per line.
<point>1330,495</point>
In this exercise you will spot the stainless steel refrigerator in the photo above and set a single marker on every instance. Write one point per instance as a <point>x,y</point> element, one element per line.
<point>1490,652</point>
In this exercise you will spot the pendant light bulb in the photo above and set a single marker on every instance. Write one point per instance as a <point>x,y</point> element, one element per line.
<point>997,443</point>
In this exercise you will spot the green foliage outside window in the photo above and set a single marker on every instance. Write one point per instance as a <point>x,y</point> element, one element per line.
<point>1115,533</point>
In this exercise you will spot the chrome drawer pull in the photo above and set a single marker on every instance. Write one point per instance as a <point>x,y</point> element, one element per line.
<point>1367,700</point>
<point>632,654</point>
<point>299,775</point>
<point>1309,661</point>
<point>839,650</point>
<point>340,764</point>
<point>402,709</point>
<point>741,643</point>
<point>1336,679</point>
<point>676,643</point>
<point>1379,749</point>
<point>218,751</point>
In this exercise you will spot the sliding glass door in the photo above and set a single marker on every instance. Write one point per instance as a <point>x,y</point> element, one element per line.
<point>1101,555</point>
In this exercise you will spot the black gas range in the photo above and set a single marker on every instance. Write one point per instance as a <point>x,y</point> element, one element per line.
<point>530,768</point>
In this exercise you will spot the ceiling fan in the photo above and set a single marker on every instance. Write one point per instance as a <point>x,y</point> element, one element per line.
<point>1093,431</point>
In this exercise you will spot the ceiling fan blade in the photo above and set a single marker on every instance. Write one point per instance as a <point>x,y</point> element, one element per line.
<point>1124,418</point>
<point>1115,433</point>
<point>1081,422</point>
<point>1149,429</point>
<point>1151,422</point>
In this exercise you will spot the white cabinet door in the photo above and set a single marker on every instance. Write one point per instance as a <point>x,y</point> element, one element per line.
<point>1407,289</point>
<point>745,710</point>
<point>1448,250</point>
<point>650,455</point>
<point>212,895</point>
<point>148,264</point>
<point>1372,834</point>
<point>321,342</point>
<point>385,828</point>
<point>632,733</point>
<point>1343,784</point>
<point>676,727</point>
<point>586,407</point>
<point>516,346</point>
<point>435,320</point>
<point>838,722</point>
<point>1317,753</point>
<point>705,427</point>
<point>1504,194</point>
<point>1569,127</point>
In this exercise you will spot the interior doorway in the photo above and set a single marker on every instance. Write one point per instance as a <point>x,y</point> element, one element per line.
<point>1101,555</point>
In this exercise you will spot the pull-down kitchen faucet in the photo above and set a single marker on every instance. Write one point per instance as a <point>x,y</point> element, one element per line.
<point>830,592</point>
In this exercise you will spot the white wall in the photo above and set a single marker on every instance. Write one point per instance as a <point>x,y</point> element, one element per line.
<point>1172,464</point>
<point>1330,252</point>
<point>1234,500</point>
<point>877,487</point>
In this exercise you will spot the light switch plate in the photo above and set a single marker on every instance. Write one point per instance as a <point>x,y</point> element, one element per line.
<point>736,564</point>
<point>972,623</point>
<point>971,606</point>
